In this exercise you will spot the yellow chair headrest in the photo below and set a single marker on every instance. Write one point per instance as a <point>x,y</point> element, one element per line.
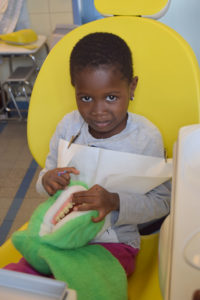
<point>151,8</point>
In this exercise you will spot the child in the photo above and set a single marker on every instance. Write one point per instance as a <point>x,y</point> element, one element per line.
<point>102,75</point>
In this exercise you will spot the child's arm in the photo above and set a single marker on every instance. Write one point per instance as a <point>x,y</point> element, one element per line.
<point>127,209</point>
<point>96,198</point>
<point>65,129</point>
<point>138,208</point>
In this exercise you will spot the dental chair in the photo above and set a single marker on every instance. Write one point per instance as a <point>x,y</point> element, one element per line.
<point>168,94</point>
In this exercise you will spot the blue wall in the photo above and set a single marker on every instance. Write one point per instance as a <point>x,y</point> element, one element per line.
<point>184,17</point>
<point>84,11</point>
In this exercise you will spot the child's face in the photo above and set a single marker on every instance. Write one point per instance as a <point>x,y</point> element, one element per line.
<point>102,96</point>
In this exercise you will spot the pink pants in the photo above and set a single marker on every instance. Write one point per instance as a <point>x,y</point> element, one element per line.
<point>125,254</point>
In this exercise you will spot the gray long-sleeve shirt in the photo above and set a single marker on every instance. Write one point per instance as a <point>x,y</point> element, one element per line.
<point>140,137</point>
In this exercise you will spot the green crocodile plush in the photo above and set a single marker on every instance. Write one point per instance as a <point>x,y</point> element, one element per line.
<point>57,244</point>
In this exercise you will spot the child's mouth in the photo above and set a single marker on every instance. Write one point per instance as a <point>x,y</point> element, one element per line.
<point>102,124</point>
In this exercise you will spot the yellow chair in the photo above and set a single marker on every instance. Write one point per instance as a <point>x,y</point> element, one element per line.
<point>8,253</point>
<point>168,94</point>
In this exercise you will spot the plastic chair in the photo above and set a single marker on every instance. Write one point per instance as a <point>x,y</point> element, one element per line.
<point>168,94</point>
<point>18,84</point>
<point>8,253</point>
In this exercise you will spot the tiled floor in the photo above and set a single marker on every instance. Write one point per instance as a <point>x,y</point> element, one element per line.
<point>18,174</point>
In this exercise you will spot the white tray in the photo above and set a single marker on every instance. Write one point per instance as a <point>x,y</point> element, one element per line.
<point>20,286</point>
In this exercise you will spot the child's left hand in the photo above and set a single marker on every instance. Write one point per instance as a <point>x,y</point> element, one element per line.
<point>96,198</point>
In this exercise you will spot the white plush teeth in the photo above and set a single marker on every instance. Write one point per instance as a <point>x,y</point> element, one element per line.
<point>61,215</point>
<point>66,209</point>
<point>58,219</point>
<point>64,212</point>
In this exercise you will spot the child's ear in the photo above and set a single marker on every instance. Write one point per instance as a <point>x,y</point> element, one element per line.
<point>133,86</point>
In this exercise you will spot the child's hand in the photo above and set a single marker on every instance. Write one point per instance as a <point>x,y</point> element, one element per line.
<point>57,179</point>
<point>96,198</point>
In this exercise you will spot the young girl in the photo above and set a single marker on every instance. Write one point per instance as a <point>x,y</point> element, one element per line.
<point>102,75</point>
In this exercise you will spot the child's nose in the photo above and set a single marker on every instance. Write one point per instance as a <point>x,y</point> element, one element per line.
<point>98,107</point>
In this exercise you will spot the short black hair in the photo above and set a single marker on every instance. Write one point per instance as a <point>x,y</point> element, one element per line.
<point>101,48</point>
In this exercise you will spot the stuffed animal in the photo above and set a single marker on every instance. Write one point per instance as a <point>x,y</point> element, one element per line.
<point>57,241</point>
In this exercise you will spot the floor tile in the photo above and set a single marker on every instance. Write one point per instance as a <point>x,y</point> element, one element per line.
<point>15,160</point>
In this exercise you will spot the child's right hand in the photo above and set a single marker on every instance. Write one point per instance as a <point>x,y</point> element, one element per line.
<point>57,179</point>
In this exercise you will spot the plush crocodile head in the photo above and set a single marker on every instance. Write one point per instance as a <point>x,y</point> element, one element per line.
<point>62,210</point>
<point>54,223</point>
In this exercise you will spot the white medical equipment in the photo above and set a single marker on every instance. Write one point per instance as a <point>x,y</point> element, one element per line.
<point>179,251</point>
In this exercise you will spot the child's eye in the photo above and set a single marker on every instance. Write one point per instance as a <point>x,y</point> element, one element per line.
<point>111,98</point>
<point>86,99</point>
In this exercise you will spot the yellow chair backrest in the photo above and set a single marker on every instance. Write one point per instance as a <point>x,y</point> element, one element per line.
<point>167,92</point>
